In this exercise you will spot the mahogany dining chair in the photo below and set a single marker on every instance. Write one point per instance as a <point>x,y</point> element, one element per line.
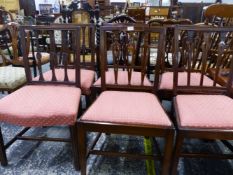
<point>127,104</point>
<point>203,108</point>
<point>45,102</point>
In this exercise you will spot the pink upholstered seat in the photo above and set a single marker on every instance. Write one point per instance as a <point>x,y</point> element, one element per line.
<point>127,108</point>
<point>167,80</point>
<point>41,106</point>
<point>123,79</point>
<point>205,111</point>
<point>87,78</point>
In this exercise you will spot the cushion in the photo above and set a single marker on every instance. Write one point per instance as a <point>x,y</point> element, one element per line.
<point>123,79</point>
<point>205,111</point>
<point>87,78</point>
<point>167,80</point>
<point>126,108</point>
<point>12,77</point>
<point>36,105</point>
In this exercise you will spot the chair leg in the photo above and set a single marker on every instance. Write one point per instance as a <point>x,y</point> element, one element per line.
<point>166,165</point>
<point>35,70</point>
<point>74,141</point>
<point>82,149</point>
<point>88,100</point>
<point>3,158</point>
<point>177,151</point>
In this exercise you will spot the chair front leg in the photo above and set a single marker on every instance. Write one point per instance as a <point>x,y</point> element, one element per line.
<point>3,158</point>
<point>177,151</point>
<point>166,164</point>
<point>82,148</point>
<point>74,141</point>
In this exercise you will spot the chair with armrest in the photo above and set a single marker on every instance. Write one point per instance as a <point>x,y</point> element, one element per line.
<point>203,108</point>
<point>45,102</point>
<point>127,104</point>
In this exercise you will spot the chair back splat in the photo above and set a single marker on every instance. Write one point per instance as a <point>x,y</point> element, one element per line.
<point>129,68</point>
<point>59,52</point>
<point>203,70</point>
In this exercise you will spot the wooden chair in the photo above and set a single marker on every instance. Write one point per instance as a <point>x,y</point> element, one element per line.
<point>219,14</point>
<point>45,102</point>
<point>165,85</point>
<point>11,78</point>
<point>203,108</point>
<point>118,108</point>
<point>87,56</point>
<point>16,59</point>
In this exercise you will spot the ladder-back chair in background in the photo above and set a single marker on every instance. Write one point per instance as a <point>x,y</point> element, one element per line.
<point>219,14</point>
<point>42,102</point>
<point>203,108</point>
<point>127,105</point>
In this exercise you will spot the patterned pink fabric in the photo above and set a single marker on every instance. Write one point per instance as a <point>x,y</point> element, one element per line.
<point>41,106</point>
<point>205,111</point>
<point>128,108</point>
<point>123,79</point>
<point>87,78</point>
<point>167,80</point>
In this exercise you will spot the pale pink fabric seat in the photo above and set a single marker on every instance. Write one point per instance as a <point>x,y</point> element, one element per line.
<point>123,79</point>
<point>127,108</point>
<point>205,111</point>
<point>38,105</point>
<point>166,81</point>
<point>87,78</point>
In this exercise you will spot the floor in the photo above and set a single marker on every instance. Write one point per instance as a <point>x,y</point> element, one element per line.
<point>53,158</point>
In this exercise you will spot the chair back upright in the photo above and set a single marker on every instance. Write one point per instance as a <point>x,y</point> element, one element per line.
<point>197,78</point>
<point>125,73</point>
<point>70,41</point>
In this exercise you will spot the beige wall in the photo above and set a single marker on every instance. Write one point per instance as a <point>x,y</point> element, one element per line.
<point>10,4</point>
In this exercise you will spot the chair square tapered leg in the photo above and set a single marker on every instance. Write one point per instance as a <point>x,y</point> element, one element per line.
<point>74,141</point>
<point>177,151</point>
<point>82,148</point>
<point>166,165</point>
<point>3,158</point>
